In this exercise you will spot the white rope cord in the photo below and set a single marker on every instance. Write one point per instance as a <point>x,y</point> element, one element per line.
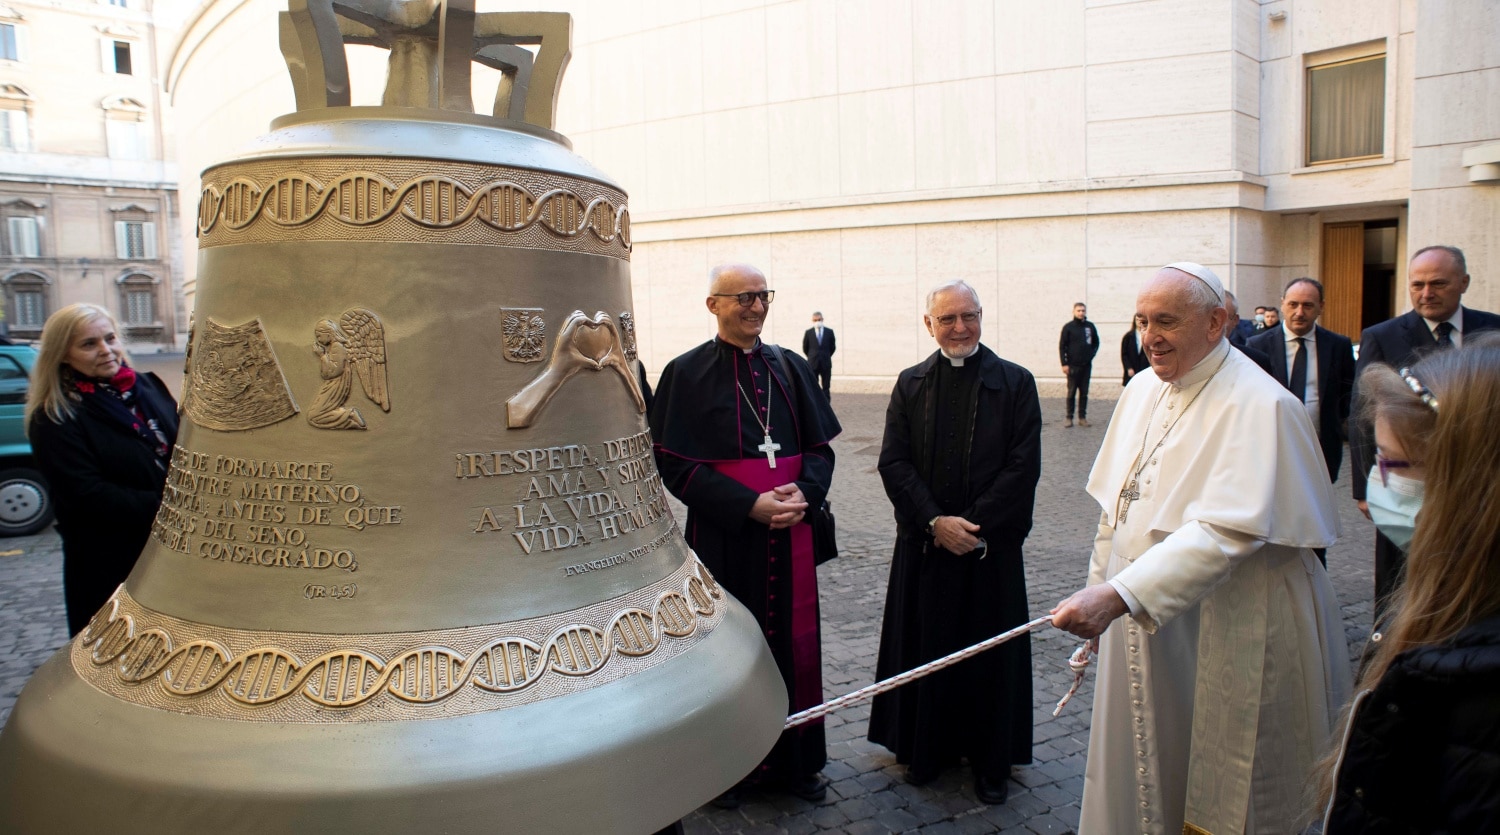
<point>1080,667</point>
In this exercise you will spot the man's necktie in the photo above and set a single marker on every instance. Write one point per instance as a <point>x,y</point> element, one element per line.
<point>1444,332</point>
<point>1299,371</point>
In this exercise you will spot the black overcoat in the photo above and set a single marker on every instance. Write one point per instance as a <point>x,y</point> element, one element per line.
<point>106,486</point>
<point>938,602</point>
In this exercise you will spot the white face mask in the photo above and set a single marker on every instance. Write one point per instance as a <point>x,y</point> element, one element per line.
<point>1394,505</point>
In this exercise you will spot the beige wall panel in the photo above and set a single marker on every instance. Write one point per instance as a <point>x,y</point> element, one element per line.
<point>675,166</point>
<point>679,284</point>
<point>1246,84</point>
<point>654,13</point>
<point>677,66</point>
<point>876,142</point>
<point>1032,36</point>
<point>880,266</point>
<point>1160,28</point>
<point>1468,218</point>
<point>1043,243</point>
<point>1275,35</point>
<point>1328,24</point>
<point>1040,125</point>
<point>1440,166</point>
<point>575,102</point>
<point>801,61</point>
<point>874,44</point>
<point>716,7</point>
<point>1464,107</point>
<point>1203,83</point>
<point>621,153</point>
<point>1468,40</point>
<point>1246,36</point>
<point>945,249</point>
<point>803,149</point>
<point>1386,183</point>
<point>1151,240</point>
<point>734,60</point>
<point>1280,119</point>
<point>1246,143</point>
<point>1258,238</point>
<point>609,18</point>
<point>618,82</point>
<point>737,167</point>
<point>1406,86</point>
<point>79,228</point>
<point>1027,340</point>
<point>805,272</point>
<point>955,134</point>
<point>953,39</point>
<point>1163,145</point>
<point>1257,285</point>
<point>640,299</point>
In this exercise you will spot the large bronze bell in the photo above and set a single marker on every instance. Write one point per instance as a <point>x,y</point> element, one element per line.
<point>414,570</point>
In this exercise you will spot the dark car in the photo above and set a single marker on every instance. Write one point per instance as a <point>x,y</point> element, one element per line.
<point>25,501</point>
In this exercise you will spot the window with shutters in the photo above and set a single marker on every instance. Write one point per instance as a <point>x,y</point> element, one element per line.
<point>135,239</point>
<point>1346,110</point>
<point>126,128</point>
<point>117,57</point>
<point>15,118</point>
<point>23,237</point>
<point>26,303</point>
<point>10,42</point>
<point>138,301</point>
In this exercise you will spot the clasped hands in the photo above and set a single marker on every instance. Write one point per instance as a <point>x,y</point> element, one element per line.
<point>955,534</point>
<point>780,507</point>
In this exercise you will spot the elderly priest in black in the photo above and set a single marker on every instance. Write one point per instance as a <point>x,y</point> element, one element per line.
<point>960,462</point>
<point>742,438</point>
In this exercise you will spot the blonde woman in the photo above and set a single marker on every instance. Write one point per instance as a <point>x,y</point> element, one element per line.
<point>102,435</point>
<point>1421,751</point>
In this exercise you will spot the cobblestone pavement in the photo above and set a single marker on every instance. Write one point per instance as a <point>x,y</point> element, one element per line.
<point>867,794</point>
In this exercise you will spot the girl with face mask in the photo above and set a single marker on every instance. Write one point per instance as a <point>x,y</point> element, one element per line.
<point>1421,748</point>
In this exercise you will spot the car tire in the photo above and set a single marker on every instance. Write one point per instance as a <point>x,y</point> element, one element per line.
<point>25,502</point>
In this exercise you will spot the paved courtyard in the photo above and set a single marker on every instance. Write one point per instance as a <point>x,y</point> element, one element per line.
<point>867,794</point>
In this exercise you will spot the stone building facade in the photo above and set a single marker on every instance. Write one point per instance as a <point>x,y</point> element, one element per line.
<point>88,199</point>
<point>1047,151</point>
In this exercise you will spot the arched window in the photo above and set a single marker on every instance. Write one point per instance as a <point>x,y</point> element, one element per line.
<point>138,302</point>
<point>26,306</point>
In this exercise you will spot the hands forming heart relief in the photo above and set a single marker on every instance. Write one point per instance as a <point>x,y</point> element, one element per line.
<point>583,344</point>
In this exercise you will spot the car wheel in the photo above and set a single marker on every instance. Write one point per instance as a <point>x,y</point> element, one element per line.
<point>25,502</point>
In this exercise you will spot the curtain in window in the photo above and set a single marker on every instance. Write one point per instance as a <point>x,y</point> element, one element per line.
<point>1346,110</point>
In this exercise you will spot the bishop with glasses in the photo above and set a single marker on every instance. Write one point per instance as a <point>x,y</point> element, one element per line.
<point>742,438</point>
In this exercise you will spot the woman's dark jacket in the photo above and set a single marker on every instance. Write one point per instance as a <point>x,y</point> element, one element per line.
<point>106,485</point>
<point>1132,357</point>
<point>1422,754</point>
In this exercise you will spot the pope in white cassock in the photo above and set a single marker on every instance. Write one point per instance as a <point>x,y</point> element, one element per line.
<point>1220,688</point>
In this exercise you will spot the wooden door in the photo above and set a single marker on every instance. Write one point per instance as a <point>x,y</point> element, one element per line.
<point>1343,276</point>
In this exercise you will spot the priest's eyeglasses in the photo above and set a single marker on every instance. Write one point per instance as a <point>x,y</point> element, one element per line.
<point>747,299</point>
<point>1385,465</point>
<point>948,321</point>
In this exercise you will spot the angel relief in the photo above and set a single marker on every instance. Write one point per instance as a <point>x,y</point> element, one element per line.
<point>353,347</point>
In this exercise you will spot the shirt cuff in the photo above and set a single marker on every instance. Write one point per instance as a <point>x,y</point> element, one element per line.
<point>1125,595</point>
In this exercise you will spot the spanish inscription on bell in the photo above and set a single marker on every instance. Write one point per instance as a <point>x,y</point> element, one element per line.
<point>265,513</point>
<point>235,381</point>
<point>572,495</point>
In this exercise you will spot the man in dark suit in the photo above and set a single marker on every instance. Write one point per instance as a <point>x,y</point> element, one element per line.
<point>1314,363</point>
<point>1436,281</point>
<point>818,345</point>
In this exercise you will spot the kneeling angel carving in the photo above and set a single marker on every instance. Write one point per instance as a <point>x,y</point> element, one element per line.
<point>354,346</point>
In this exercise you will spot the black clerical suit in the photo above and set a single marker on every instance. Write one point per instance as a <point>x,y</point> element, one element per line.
<point>959,441</point>
<point>819,355</point>
<point>1335,384</point>
<point>1397,342</point>
<point>702,418</point>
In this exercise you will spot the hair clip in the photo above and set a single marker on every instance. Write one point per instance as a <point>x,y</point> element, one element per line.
<point>1419,389</point>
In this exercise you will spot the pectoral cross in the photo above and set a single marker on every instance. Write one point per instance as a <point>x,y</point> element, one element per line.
<point>1128,495</point>
<point>769,449</point>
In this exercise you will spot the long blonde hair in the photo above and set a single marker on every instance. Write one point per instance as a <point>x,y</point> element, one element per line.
<point>48,393</point>
<point>1453,564</point>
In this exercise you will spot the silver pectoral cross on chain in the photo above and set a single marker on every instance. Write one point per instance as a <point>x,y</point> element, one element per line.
<point>1128,495</point>
<point>769,448</point>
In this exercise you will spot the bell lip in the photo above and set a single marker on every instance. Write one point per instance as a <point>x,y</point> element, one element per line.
<point>405,132</point>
